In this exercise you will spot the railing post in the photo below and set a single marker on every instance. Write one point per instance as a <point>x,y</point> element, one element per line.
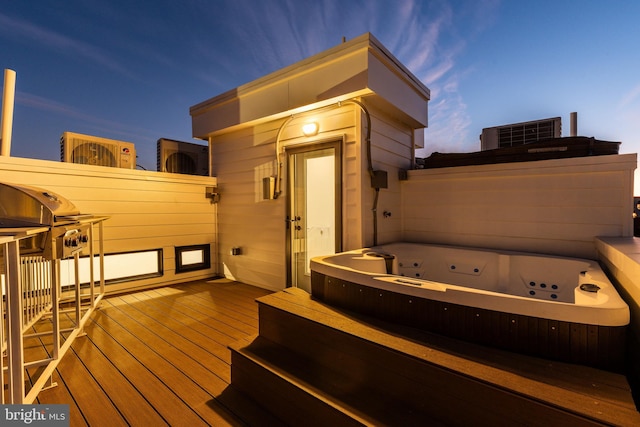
<point>91,266</point>
<point>5,248</point>
<point>55,307</point>
<point>76,268</point>
<point>14,319</point>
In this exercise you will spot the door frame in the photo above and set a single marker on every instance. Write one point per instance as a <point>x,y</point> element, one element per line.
<point>336,144</point>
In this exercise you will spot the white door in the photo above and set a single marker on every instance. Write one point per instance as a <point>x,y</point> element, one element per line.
<point>314,208</point>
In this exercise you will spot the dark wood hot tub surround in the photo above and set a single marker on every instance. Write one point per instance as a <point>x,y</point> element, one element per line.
<point>592,345</point>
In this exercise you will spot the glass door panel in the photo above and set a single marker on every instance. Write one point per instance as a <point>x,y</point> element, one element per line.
<point>313,216</point>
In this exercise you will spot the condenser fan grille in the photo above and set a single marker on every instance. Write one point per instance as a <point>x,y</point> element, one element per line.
<point>97,154</point>
<point>525,133</point>
<point>180,163</point>
<point>182,157</point>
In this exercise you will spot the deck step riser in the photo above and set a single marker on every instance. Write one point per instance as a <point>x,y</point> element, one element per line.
<point>284,399</point>
<point>356,364</point>
<point>424,390</point>
<point>386,378</point>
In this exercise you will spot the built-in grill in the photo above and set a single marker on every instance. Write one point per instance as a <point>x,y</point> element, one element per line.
<point>59,230</point>
<point>40,233</point>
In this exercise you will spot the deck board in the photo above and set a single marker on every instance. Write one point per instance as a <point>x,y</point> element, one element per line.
<point>207,337</point>
<point>160,357</point>
<point>89,399</point>
<point>127,397</point>
<point>158,394</point>
<point>172,338</point>
<point>36,348</point>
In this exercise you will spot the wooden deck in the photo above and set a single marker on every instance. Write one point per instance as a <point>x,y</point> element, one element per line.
<point>160,357</point>
<point>315,365</point>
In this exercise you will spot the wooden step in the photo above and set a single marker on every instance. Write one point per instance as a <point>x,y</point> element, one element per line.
<point>454,382</point>
<point>285,396</point>
<point>246,409</point>
<point>305,394</point>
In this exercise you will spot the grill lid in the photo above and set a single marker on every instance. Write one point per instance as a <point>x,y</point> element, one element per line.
<point>26,206</point>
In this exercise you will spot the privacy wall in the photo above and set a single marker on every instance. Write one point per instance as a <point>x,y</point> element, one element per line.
<point>148,210</point>
<point>549,206</point>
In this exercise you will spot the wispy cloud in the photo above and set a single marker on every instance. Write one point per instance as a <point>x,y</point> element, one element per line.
<point>230,43</point>
<point>427,42</point>
<point>20,30</point>
<point>430,39</point>
<point>631,97</point>
<point>270,35</point>
<point>90,121</point>
<point>50,106</point>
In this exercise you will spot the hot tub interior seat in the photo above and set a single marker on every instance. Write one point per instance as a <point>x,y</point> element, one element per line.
<point>559,280</point>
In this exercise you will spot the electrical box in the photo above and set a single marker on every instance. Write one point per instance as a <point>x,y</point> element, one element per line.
<point>268,187</point>
<point>379,179</point>
<point>212,193</point>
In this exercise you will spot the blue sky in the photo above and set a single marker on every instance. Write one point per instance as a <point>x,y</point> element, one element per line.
<point>130,70</point>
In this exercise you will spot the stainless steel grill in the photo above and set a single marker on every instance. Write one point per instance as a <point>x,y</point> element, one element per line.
<point>38,229</point>
<point>30,207</point>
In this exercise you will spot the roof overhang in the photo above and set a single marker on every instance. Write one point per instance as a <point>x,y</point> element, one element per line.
<point>361,67</point>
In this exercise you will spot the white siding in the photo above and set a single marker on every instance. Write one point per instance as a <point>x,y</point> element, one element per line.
<point>361,66</point>
<point>147,210</point>
<point>391,152</point>
<point>242,125</point>
<point>551,206</point>
<point>241,159</point>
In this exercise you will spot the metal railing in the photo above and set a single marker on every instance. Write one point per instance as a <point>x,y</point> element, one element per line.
<point>39,318</point>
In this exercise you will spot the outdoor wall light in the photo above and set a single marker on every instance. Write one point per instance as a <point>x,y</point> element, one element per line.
<point>310,129</point>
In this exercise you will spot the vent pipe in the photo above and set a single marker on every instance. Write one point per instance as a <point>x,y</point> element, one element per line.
<point>6,125</point>
<point>574,124</point>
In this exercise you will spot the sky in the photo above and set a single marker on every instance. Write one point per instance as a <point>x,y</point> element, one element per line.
<point>130,70</point>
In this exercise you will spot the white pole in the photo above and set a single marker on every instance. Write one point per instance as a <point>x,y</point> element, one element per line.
<point>8,97</point>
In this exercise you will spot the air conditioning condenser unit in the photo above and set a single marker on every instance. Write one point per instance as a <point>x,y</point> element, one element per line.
<point>96,151</point>
<point>182,157</point>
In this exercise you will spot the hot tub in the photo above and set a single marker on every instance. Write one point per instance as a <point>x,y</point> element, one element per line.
<point>559,308</point>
